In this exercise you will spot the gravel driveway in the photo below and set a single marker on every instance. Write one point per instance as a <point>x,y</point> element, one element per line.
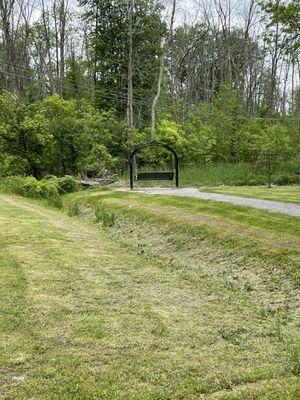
<point>269,205</point>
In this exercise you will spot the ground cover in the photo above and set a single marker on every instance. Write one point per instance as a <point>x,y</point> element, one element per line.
<point>172,301</point>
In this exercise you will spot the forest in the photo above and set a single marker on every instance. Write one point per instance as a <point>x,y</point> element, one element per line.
<point>82,84</point>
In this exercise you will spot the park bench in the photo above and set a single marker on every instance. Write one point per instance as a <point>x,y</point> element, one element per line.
<point>158,176</point>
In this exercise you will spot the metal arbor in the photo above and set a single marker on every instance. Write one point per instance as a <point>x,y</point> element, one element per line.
<point>169,176</point>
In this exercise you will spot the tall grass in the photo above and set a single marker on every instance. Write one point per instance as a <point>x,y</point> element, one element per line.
<point>74,209</point>
<point>240,174</point>
<point>102,214</point>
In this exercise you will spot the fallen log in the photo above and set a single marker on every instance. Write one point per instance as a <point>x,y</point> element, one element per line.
<point>94,183</point>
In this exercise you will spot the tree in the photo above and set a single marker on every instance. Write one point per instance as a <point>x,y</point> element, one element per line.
<point>20,136</point>
<point>166,47</point>
<point>109,22</point>
<point>130,65</point>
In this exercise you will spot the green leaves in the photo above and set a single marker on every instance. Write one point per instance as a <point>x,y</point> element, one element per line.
<point>55,136</point>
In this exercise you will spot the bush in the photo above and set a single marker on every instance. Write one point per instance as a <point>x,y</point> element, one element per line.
<point>55,201</point>
<point>67,184</point>
<point>32,188</point>
<point>39,189</point>
<point>98,162</point>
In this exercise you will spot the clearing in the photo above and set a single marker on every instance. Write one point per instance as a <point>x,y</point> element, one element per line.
<point>179,299</point>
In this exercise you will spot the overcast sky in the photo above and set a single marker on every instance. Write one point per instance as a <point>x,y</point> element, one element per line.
<point>189,11</point>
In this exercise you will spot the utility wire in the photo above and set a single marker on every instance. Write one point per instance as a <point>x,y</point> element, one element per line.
<point>122,96</point>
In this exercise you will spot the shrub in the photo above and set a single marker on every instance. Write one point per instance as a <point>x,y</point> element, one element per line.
<point>32,188</point>
<point>98,162</point>
<point>12,185</point>
<point>67,184</point>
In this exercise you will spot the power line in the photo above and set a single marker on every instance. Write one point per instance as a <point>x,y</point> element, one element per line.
<point>138,101</point>
<point>122,96</point>
<point>117,96</point>
<point>29,76</point>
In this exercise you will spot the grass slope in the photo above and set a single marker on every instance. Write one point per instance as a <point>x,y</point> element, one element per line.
<point>289,194</point>
<point>177,300</point>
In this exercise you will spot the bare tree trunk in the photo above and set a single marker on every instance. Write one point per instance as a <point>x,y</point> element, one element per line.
<point>62,38</point>
<point>59,15</point>
<point>92,70</point>
<point>45,19</point>
<point>130,122</point>
<point>246,52</point>
<point>6,11</point>
<point>170,48</point>
<point>58,88</point>
<point>161,70</point>
<point>156,98</point>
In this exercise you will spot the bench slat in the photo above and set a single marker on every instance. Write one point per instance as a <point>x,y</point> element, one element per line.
<point>157,176</point>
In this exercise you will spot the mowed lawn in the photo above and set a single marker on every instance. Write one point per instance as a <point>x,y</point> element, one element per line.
<point>290,194</point>
<point>180,299</point>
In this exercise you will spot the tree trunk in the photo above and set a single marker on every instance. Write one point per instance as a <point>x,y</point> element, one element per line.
<point>130,122</point>
<point>161,70</point>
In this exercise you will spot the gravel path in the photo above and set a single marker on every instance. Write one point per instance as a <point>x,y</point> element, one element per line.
<point>269,205</point>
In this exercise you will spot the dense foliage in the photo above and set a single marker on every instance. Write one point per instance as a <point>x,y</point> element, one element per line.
<point>55,136</point>
<point>58,137</point>
<point>77,87</point>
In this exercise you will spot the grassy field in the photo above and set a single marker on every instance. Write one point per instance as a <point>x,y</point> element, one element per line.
<point>289,194</point>
<point>138,297</point>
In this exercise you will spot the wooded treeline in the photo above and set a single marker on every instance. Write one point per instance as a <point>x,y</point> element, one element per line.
<point>227,72</point>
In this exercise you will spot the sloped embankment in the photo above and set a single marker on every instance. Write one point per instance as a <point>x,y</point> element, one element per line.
<point>233,257</point>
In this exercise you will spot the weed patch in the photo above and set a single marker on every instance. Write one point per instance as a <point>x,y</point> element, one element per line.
<point>74,209</point>
<point>295,357</point>
<point>102,214</point>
